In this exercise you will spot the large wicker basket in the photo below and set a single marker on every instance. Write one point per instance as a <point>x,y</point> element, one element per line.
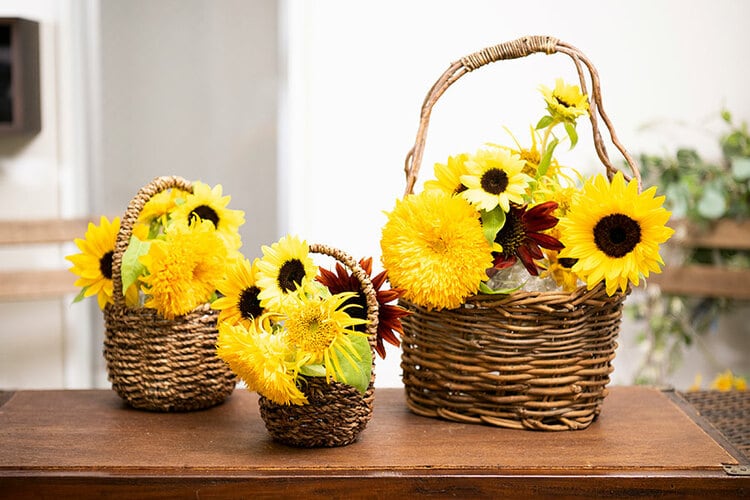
<point>156,363</point>
<point>528,360</point>
<point>337,413</point>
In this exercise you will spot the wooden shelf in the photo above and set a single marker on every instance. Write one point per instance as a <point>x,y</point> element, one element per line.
<point>84,444</point>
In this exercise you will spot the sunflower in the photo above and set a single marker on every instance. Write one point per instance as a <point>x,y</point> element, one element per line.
<point>285,266</point>
<point>433,247</point>
<point>565,102</point>
<point>239,303</point>
<point>615,232</point>
<point>448,176</point>
<point>263,360</point>
<point>495,177</point>
<point>208,204</point>
<point>521,236</point>
<point>155,213</point>
<point>560,270</point>
<point>320,330</point>
<point>94,264</point>
<point>389,316</point>
<point>184,268</point>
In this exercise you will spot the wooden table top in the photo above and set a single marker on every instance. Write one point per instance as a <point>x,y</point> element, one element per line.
<point>89,443</point>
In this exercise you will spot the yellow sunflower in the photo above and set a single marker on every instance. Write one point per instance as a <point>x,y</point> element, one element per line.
<point>208,204</point>
<point>495,177</point>
<point>239,303</point>
<point>263,360</point>
<point>433,246</point>
<point>285,266</point>
<point>94,264</point>
<point>184,268</point>
<point>155,213</point>
<point>319,329</point>
<point>448,176</point>
<point>614,232</point>
<point>565,102</point>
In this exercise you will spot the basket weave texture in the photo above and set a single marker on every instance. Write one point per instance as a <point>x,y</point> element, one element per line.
<point>156,363</point>
<point>336,413</point>
<point>528,360</point>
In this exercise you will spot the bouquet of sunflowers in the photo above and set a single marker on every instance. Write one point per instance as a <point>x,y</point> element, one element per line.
<point>509,218</point>
<point>515,267</point>
<point>303,336</point>
<point>155,273</point>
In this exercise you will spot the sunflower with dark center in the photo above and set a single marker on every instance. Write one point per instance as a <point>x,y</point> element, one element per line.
<point>286,265</point>
<point>238,300</point>
<point>614,232</point>
<point>389,316</point>
<point>521,236</point>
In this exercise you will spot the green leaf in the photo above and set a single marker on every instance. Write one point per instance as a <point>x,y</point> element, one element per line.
<point>546,158</point>
<point>483,288</point>
<point>81,295</point>
<point>712,203</point>
<point>356,374</point>
<point>545,122</point>
<point>570,128</point>
<point>741,168</point>
<point>132,268</point>
<point>313,370</point>
<point>492,222</point>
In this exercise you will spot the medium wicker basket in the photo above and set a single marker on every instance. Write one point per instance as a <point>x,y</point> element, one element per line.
<point>337,413</point>
<point>528,360</point>
<point>156,363</point>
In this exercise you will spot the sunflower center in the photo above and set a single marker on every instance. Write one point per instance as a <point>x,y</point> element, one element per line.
<point>310,330</point>
<point>204,212</point>
<point>567,262</point>
<point>495,181</point>
<point>249,305</point>
<point>290,275</point>
<point>105,264</point>
<point>512,235</point>
<point>563,102</point>
<point>617,235</point>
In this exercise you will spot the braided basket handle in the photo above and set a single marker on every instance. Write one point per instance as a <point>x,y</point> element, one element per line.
<point>129,220</point>
<point>365,283</point>
<point>516,49</point>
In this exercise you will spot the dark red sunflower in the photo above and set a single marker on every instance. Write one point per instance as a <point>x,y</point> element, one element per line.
<point>521,236</point>
<point>389,316</point>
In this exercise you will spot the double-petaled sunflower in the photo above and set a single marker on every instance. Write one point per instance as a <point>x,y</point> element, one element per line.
<point>184,268</point>
<point>286,265</point>
<point>208,204</point>
<point>614,232</point>
<point>565,102</point>
<point>155,213</point>
<point>495,177</point>
<point>521,236</point>
<point>94,264</point>
<point>389,316</point>
<point>263,360</point>
<point>434,248</point>
<point>239,302</point>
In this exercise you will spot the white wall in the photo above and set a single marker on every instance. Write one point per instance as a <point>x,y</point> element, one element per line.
<point>359,73</point>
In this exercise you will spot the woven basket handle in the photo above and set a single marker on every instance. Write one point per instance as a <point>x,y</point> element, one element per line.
<point>365,283</point>
<point>129,220</point>
<point>516,49</point>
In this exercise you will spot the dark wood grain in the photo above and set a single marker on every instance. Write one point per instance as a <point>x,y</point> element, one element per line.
<point>71,444</point>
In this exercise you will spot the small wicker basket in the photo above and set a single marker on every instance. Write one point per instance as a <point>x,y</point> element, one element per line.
<point>528,360</point>
<point>337,413</point>
<point>156,363</point>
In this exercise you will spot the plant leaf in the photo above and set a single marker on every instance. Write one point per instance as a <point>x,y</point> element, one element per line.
<point>570,128</point>
<point>492,222</point>
<point>483,288</point>
<point>81,295</point>
<point>545,122</point>
<point>317,370</point>
<point>131,265</point>
<point>741,168</point>
<point>712,203</point>
<point>546,158</point>
<point>356,374</point>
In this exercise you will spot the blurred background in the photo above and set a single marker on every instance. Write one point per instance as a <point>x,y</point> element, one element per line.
<point>304,112</point>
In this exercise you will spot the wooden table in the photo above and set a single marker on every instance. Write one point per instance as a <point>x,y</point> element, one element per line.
<point>76,444</point>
